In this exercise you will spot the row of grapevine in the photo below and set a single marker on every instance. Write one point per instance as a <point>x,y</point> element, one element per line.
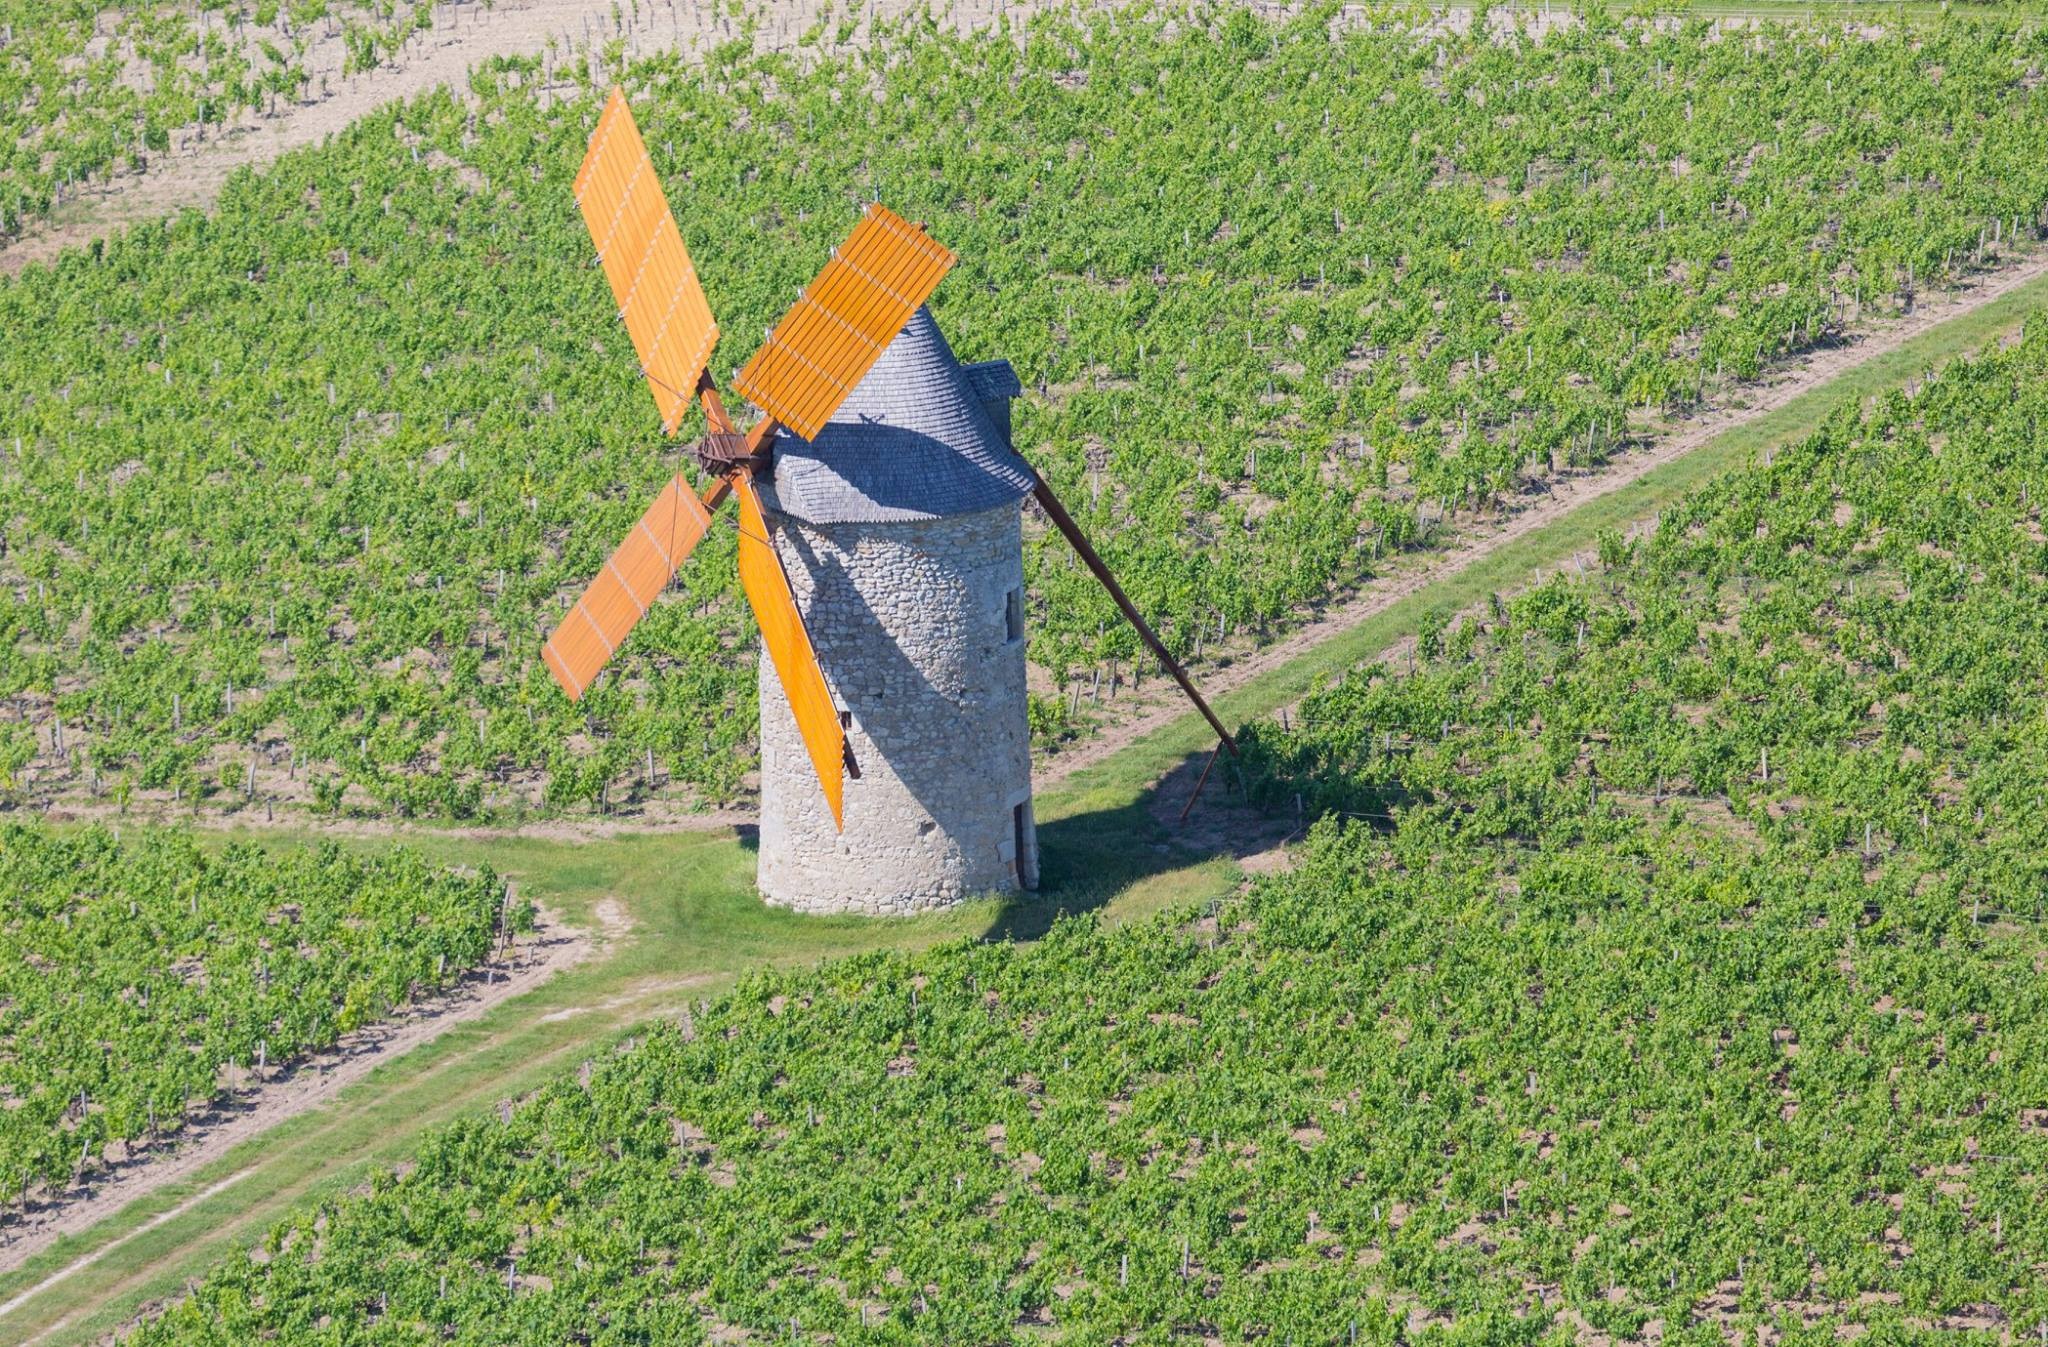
<point>1606,1016</point>
<point>134,972</point>
<point>89,89</point>
<point>289,494</point>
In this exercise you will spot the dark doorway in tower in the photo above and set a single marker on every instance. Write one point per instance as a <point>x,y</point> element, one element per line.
<point>1027,846</point>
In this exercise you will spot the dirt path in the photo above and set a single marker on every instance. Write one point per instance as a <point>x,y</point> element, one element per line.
<point>203,1195</point>
<point>556,829</point>
<point>305,1085</point>
<point>1162,704</point>
<point>463,35</point>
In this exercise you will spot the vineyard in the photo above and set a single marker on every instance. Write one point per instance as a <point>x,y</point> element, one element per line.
<point>1669,964</point>
<point>288,495</point>
<point>141,979</point>
<point>89,90</point>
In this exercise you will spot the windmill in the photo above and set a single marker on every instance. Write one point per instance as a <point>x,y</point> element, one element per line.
<point>880,479</point>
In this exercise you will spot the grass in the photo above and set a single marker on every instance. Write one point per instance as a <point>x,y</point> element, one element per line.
<point>697,926</point>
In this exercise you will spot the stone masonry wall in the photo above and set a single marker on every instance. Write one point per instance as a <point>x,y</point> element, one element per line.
<point>913,625</point>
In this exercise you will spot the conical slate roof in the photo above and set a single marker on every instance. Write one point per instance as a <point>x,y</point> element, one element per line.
<point>912,441</point>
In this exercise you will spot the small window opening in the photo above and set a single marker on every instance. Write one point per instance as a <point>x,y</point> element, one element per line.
<point>846,743</point>
<point>1013,615</point>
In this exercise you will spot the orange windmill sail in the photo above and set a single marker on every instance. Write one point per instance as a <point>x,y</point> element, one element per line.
<point>810,362</point>
<point>841,321</point>
<point>660,299</point>
<point>789,650</point>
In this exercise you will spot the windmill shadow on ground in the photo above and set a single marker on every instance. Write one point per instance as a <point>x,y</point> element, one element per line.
<point>1091,857</point>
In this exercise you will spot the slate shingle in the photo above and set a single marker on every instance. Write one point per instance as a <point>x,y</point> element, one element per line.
<point>913,441</point>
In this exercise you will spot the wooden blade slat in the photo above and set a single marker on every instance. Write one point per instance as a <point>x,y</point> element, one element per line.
<point>632,578</point>
<point>789,650</point>
<point>850,306</point>
<point>834,333</point>
<point>660,299</point>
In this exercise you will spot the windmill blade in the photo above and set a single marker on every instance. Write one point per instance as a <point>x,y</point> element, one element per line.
<point>839,325</point>
<point>789,649</point>
<point>652,277</point>
<point>584,641</point>
<point>1100,570</point>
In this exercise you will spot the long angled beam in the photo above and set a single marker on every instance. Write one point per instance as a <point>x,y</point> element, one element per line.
<point>1065,522</point>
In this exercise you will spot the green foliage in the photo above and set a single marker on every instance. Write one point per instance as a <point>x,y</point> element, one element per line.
<point>132,972</point>
<point>91,88</point>
<point>1527,1061</point>
<point>1281,297</point>
<point>1050,722</point>
<point>1850,638</point>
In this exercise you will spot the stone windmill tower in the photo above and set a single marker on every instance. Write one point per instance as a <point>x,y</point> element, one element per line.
<point>880,547</point>
<point>900,528</point>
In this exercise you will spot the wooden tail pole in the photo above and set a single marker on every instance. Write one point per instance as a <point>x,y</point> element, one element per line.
<point>1200,782</point>
<point>1059,516</point>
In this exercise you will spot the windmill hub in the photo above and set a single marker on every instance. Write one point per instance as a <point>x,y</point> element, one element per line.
<point>722,452</point>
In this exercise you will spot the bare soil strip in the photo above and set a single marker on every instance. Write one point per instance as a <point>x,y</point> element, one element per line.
<point>292,1090</point>
<point>625,822</point>
<point>463,36</point>
<point>1163,704</point>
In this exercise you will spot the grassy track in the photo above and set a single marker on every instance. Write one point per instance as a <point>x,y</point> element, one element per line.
<point>697,926</point>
